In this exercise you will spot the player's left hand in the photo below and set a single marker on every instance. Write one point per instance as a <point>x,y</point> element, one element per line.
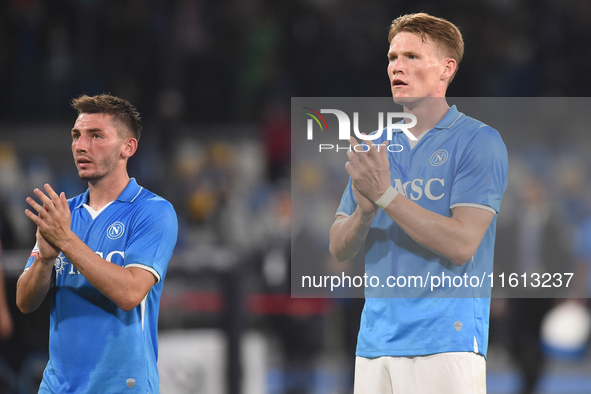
<point>53,217</point>
<point>369,169</point>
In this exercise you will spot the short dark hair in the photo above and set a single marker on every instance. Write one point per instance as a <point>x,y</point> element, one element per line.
<point>122,110</point>
<point>444,33</point>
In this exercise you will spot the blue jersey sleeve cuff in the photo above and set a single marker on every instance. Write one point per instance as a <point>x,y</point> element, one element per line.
<point>480,206</point>
<point>149,269</point>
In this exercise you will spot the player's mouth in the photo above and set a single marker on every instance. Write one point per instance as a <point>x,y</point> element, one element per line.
<point>83,162</point>
<point>398,83</point>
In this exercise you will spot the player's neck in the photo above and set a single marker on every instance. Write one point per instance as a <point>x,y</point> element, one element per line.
<point>107,189</point>
<point>429,112</point>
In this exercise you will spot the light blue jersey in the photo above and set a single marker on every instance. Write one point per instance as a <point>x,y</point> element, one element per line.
<point>461,161</point>
<point>94,346</point>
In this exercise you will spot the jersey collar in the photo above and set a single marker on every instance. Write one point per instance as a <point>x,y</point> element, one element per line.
<point>131,191</point>
<point>451,117</point>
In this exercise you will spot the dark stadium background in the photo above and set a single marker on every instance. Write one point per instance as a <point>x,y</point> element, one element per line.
<point>213,80</point>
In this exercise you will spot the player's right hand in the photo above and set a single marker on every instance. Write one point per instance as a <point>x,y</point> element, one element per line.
<point>47,251</point>
<point>364,203</point>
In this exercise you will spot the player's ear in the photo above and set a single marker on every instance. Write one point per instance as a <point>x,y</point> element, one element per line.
<point>129,147</point>
<point>450,67</point>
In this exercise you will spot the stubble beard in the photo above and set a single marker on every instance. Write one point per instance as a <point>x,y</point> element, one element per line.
<point>107,166</point>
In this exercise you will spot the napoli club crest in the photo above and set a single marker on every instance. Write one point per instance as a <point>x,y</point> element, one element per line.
<point>115,230</point>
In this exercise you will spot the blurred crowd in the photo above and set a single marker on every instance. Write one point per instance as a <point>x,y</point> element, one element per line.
<point>213,80</point>
<point>207,61</point>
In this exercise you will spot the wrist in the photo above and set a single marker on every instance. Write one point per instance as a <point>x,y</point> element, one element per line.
<point>67,243</point>
<point>46,260</point>
<point>367,216</point>
<point>387,197</point>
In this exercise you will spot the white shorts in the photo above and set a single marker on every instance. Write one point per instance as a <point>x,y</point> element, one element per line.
<point>442,373</point>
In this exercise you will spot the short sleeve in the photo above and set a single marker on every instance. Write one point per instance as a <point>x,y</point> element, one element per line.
<point>31,259</point>
<point>153,238</point>
<point>481,176</point>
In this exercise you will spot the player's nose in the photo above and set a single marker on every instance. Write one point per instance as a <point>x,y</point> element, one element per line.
<point>397,66</point>
<point>395,69</point>
<point>82,143</point>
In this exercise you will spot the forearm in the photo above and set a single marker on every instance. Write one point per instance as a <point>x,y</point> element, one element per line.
<point>456,238</point>
<point>126,287</point>
<point>348,234</point>
<point>6,323</point>
<point>33,285</point>
<point>117,283</point>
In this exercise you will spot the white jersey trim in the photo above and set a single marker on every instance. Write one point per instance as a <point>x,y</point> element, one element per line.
<point>413,143</point>
<point>94,213</point>
<point>138,193</point>
<point>467,204</point>
<point>149,269</point>
<point>341,213</point>
<point>143,310</point>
